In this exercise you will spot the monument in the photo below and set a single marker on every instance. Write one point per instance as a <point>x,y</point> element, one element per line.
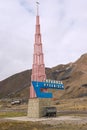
<point>38,67</point>
<point>39,95</point>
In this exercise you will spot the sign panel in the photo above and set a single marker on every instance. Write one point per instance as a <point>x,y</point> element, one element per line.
<point>49,84</point>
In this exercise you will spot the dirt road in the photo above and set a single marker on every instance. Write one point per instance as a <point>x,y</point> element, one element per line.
<point>52,121</point>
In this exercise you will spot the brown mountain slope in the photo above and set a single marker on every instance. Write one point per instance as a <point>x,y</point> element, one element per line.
<point>13,84</point>
<point>73,75</point>
<point>17,85</point>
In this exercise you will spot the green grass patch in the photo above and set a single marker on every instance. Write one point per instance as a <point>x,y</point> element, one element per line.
<point>18,114</point>
<point>12,114</point>
<point>73,114</point>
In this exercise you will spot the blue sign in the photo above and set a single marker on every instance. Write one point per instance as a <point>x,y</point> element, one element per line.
<point>49,84</point>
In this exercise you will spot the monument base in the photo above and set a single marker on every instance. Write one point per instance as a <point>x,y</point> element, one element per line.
<point>36,107</point>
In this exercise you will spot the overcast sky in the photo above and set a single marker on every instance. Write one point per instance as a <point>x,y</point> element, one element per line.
<point>63,29</point>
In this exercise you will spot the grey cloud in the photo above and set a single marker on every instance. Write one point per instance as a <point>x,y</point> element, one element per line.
<point>26,6</point>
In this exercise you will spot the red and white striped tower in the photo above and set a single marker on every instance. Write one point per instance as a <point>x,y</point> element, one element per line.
<point>38,67</point>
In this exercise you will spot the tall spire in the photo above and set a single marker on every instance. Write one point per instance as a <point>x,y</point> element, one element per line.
<point>38,67</point>
<point>37,4</point>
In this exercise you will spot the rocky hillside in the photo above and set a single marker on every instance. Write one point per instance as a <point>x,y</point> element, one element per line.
<point>73,75</point>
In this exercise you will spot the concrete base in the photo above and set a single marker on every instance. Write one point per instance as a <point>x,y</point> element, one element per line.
<point>36,106</point>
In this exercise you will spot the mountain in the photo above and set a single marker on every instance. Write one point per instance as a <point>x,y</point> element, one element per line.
<point>73,75</point>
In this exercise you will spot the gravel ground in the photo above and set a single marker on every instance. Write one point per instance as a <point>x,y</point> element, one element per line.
<point>52,121</point>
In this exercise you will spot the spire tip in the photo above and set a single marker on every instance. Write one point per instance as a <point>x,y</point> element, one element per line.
<point>37,4</point>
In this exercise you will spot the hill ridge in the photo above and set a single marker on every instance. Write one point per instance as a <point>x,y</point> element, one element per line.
<point>73,75</point>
